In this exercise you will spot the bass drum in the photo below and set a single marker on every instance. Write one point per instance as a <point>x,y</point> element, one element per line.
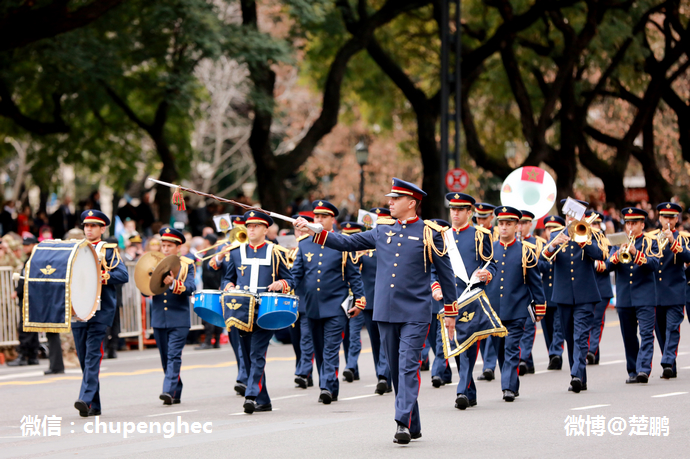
<point>62,279</point>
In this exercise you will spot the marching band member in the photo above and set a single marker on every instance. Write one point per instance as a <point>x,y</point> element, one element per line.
<point>327,277</point>
<point>352,341</point>
<point>636,295</point>
<point>441,373</point>
<point>670,287</point>
<point>170,316</point>
<point>530,330</point>
<point>516,285</point>
<point>406,247</point>
<point>89,335</point>
<point>483,216</point>
<point>251,266</point>
<point>575,292</point>
<point>300,330</point>
<point>551,324</point>
<point>606,292</point>
<point>476,248</point>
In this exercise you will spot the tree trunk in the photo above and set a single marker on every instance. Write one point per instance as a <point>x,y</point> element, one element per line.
<point>658,189</point>
<point>168,174</point>
<point>432,205</point>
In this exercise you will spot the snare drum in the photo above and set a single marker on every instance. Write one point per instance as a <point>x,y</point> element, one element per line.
<point>62,278</point>
<point>277,310</point>
<point>207,306</point>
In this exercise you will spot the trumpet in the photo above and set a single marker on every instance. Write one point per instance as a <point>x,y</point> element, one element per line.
<point>578,231</point>
<point>624,253</point>
<point>662,240</point>
<point>236,235</point>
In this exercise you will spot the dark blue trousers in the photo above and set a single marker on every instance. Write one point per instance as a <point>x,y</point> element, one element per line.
<point>466,362</point>
<point>576,322</point>
<point>88,340</point>
<point>306,358</point>
<point>380,362</point>
<point>328,336</point>
<point>553,335</point>
<point>440,367</point>
<point>402,344</point>
<point>170,342</point>
<point>488,349</point>
<point>527,342</point>
<point>668,320</point>
<point>350,341</point>
<point>234,336</point>
<point>254,347</point>
<point>638,354</point>
<point>598,327</point>
<point>508,354</point>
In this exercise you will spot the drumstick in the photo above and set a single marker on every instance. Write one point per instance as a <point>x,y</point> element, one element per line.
<point>16,277</point>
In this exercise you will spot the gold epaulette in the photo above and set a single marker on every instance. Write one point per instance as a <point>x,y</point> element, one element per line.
<point>186,261</point>
<point>683,233</point>
<point>385,221</point>
<point>302,237</point>
<point>482,229</point>
<point>109,245</point>
<point>540,239</point>
<point>280,248</point>
<point>529,244</point>
<point>434,226</point>
<point>652,233</point>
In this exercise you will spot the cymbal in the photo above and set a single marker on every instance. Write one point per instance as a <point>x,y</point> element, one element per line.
<point>143,270</point>
<point>167,264</point>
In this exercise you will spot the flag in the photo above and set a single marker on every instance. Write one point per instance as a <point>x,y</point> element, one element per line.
<point>532,174</point>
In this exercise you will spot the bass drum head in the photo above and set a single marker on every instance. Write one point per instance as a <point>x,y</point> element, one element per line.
<point>85,281</point>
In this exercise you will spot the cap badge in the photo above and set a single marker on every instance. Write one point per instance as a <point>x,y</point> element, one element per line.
<point>90,214</point>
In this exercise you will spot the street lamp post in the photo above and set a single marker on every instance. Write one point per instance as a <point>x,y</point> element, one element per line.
<point>362,154</point>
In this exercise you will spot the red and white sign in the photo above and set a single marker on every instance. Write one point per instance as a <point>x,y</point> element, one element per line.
<point>457,180</point>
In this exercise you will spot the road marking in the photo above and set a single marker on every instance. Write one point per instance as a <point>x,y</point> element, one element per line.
<point>168,414</point>
<point>289,396</point>
<point>588,407</point>
<point>541,372</point>
<point>360,396</point>
<point>671,394</point>
<point>32,374</point>
<point>371,385</point>
<point>612,362</point>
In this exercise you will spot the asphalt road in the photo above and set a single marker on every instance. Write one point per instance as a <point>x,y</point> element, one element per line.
<point>360,424</point>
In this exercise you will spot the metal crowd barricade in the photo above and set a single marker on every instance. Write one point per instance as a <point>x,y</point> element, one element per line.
<point>9,311</point>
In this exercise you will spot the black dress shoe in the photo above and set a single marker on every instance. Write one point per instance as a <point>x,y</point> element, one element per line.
<point>310,382</point>
<point>301,382</point>
<point>668,373</point>
<point>82,407</point>
<point>416,435</point>
<point>576,385</point>
<point>325,397</point>
<point>18,362</point>
<point>167,398</point>
<point>590,358</point>
<point>402,435</point>
<point>555,362</point>
<point>203,347</point>
<point>112,354</point>
<point>425,365</point>
<point>176,401</point>
<point>487,375</point>
<point>642,378</point>
<point>632,380</point>
<point>54,372</point>
<point>249,405</point>
<point>473,402</point>
<point>349,374</point>
<point>33,362</point>
<point>530,370</point>
<point>240,388</point>
<point>381,386</point>
<point>216,345</point>
<point>94,412</point>
<point>436,381</point>
<point>462,402</point>
<point>522,369</point>
<point>584,387</point>
<point>508,395</point>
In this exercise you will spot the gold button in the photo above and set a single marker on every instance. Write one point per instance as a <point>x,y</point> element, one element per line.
<point>395,264</point>
<point>502,271</point>
<point>549,277</point>
<point>165,293</point>
<point>659,271</point>
<point>571,270</point>
<point>318,289</point>
<point>501,287</point>
<point>572,262</point>
<point>323,246</point>
<point>572,278</point>
<point>401,235</point>
<point>501,279</point>
<point>631,282</point>
<point>631,274</point>
<point>397,254</point>
<point>501,295</point>
<point>504,255</point>
<point>319,262</point>
<point>318,280</point>
<point>660,278</point>
<point>393,275</point>
<point>320,254</point>
<point>404,226</point>
<point>319,271</point>
<point>166,309</point>
<point>549,285</point>
<point>503,262</point>
<point>165,301</point>
<point>661,263</point>
<point>457,240</point>
<point>399,244</point>
<point>392,285</point>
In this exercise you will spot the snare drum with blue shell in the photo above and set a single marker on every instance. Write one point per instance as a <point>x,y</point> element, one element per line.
<point>277,310</point>
<point>207,306</point>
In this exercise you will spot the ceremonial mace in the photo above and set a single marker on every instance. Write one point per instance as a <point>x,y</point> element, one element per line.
<point>179,201</point>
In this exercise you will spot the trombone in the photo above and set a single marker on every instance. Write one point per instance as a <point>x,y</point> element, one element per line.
<point>236,235</point>
<point>624,253</point>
